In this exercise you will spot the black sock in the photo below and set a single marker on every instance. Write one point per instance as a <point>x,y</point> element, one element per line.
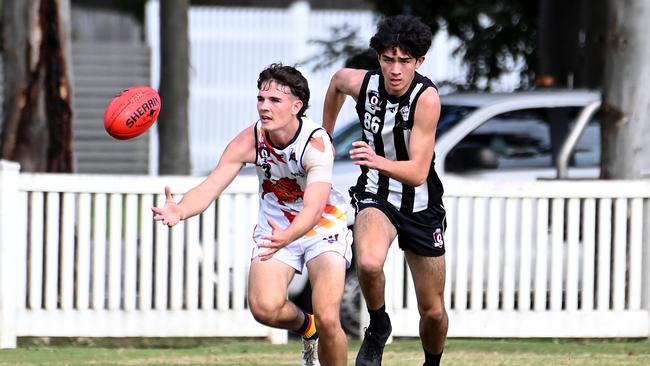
<point>379,320</point>
<point>431,359</point>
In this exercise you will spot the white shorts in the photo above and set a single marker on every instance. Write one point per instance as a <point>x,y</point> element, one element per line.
<point>336,239</point>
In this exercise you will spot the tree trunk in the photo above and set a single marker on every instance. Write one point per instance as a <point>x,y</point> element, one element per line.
<point>174,156</point>
<point>571,42</point>
<point>37,126</point>
<point>626,97</point>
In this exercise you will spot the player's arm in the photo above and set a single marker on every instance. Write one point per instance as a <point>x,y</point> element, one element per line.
<point>344,82</point>
<point>240,150</point>
<point>317,159</point>
<point>414,171</point>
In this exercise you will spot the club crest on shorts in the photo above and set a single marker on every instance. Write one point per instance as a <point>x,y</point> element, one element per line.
<point>368,201</point>
<point>331,239</point>
<point>438,241</point>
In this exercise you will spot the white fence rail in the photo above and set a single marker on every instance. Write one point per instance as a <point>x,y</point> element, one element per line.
<point>81,256</point>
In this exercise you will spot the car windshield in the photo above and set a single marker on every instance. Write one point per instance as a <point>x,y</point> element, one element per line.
<point>345,136</point>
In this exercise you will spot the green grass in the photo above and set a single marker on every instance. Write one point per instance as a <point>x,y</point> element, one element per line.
<point>465,352</point>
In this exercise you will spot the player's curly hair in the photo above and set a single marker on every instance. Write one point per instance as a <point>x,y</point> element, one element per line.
<point>288,76</point>
<point>407,32</point>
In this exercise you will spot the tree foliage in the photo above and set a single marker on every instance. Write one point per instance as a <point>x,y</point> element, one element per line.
<point>495,34</point>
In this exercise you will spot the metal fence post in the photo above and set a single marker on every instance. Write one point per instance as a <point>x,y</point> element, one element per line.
<point>8,290</point>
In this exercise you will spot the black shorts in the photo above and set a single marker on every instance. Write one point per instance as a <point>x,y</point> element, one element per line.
<point>421,232</point>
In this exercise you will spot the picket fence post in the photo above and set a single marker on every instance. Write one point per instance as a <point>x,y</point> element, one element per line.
<point>299,12</point>
<point>8,266</point>
<point>645,285</point>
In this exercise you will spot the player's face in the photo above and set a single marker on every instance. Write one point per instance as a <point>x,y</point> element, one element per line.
<point>398,68</point>
<point>276,106</point>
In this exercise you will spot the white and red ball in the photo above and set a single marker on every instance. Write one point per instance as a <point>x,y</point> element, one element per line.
<point>131,112</point>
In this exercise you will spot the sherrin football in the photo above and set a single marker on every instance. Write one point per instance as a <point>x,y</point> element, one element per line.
<point>131,112</point>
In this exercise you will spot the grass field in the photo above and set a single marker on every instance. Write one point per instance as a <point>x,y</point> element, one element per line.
<point>250,352</point>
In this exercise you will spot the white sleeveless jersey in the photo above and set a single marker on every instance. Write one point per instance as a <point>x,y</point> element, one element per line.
<point>283,181</point>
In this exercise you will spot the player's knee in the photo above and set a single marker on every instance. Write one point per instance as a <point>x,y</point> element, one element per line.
<point>327,324</point>
<point>434,315</point>
<point>369,266</point>
<point>264,312</point>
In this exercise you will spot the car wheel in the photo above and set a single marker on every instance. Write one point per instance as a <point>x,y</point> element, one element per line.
<point>350,304</point>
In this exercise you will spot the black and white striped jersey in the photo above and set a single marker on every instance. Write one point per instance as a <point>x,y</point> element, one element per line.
<point>387,122</point>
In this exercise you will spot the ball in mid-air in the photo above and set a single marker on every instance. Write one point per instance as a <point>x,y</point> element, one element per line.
<point>131,112</point>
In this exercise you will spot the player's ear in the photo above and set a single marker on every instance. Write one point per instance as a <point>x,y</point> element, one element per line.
<point>419,61</point>
<point>296,106</point>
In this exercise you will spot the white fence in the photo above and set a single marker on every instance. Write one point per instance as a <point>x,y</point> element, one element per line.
<point>80,256</point>
<point>229,46</point>
<point>540,259</point>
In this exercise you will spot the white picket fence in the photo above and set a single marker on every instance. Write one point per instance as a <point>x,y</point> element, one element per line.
<point>81,256</point>
<point>539,259</point>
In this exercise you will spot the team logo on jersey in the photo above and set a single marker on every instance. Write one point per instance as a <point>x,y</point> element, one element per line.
<point>263,162</point>
<point>285,189</point>
<point>374,101</point>
<point>294,167</point>
<point>438,241</point>
<point>263,150</point>
<point>404,111</point>
<point>268,154</point>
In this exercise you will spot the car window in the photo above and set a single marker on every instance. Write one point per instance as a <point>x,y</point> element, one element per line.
<point>450,115</point>
<point>343,138</point>
<point>524,139</point>
<point>519,139</point>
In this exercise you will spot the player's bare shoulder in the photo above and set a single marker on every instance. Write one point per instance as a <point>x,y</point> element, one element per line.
<point>348,81</point>
<point>242,147</point>
<point>427,110</point>
<point>430,98</point>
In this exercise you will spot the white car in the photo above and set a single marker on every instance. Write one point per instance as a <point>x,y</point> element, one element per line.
<point>508,136</point>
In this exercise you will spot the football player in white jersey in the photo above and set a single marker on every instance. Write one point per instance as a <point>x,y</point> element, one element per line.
<point>302,220</point>
<point>398,193</point>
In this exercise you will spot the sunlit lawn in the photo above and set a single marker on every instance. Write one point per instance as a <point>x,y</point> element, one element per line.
<point>258,352</point>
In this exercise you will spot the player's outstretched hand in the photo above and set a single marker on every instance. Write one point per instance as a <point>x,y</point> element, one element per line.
<point>274,242</point>
<point>170,214</point>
